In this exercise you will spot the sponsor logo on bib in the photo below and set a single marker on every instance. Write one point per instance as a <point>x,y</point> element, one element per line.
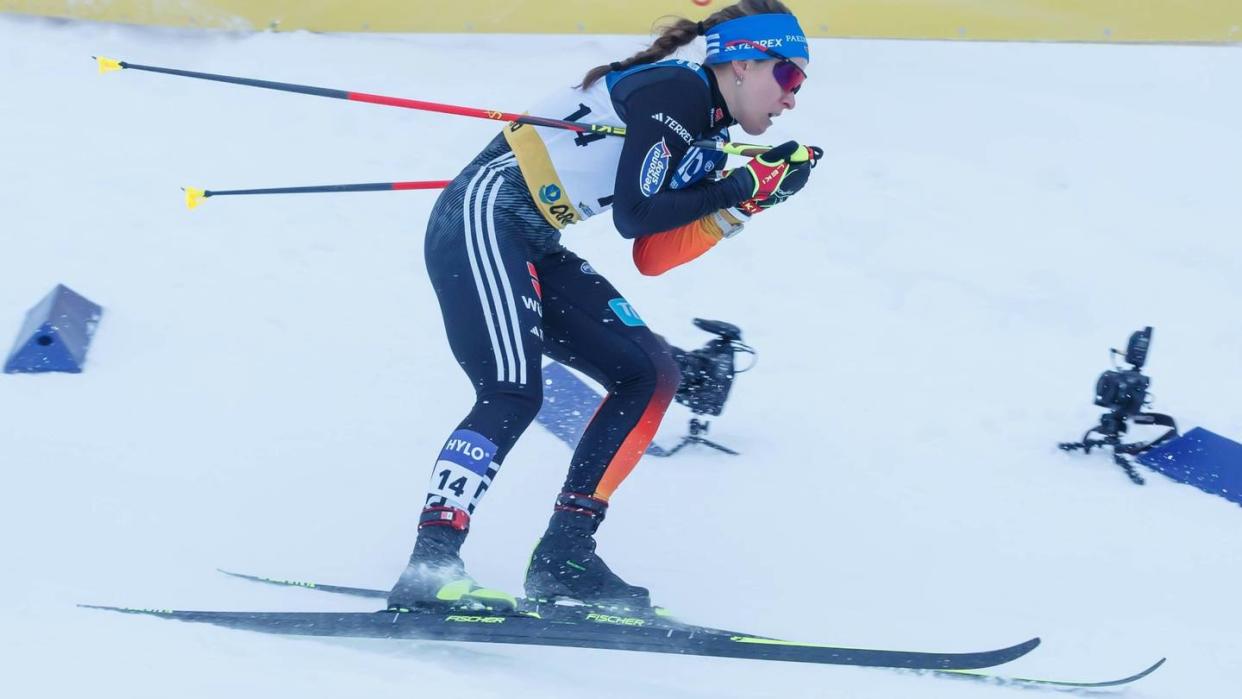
<point>549,193</point>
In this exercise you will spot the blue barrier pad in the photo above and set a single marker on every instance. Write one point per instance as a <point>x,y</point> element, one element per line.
<point>1201,458</point>
<point>56,334</point>
<point>568,404</point>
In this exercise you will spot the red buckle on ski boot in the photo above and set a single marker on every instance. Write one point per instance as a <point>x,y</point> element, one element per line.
<point>579,503</point>
<point>440,516</point>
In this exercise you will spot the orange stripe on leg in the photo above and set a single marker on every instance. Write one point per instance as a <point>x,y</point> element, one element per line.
<point>636,442</point>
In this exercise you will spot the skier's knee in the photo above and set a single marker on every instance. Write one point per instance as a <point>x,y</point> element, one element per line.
<point>518,404</point>
<point>656,371</point>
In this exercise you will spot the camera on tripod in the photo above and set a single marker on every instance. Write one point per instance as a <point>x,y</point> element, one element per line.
<point>707,377</point>
<point>1123,392</point>
<point>707,373</point>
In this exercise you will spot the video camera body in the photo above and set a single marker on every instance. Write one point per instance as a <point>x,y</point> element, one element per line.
<point>707,373</point>
<point>1123,392</point>
<point>707,377</point>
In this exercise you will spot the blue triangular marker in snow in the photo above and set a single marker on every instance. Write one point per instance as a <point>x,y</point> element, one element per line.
<point>1201,458</point>
<point>56,334</point>
<point>568,404</point>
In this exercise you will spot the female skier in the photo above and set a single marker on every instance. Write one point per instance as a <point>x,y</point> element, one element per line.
<point>510,292</point>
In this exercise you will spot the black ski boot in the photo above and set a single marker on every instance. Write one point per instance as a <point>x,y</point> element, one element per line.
<point>565,565</point>
<point>435,577</point>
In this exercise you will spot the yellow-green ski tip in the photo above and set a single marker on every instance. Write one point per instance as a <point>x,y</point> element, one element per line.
<point>193,197</point>
<point>107,65</point>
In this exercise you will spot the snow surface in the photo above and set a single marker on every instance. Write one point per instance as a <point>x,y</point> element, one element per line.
<point>270,382</point>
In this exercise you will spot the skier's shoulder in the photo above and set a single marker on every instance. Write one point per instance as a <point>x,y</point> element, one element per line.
<point>672,87</point>
<point>674,77</point>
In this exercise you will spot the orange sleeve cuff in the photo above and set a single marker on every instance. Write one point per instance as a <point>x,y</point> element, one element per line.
<point>658,253</point>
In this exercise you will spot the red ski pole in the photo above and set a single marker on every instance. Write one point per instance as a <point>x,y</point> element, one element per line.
<point>195,196</point>
<point>110,64</point>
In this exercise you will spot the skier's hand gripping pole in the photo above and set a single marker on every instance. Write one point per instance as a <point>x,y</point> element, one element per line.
<point>776,175</point>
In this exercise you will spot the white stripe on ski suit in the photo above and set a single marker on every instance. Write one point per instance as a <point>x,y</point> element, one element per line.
<point>501,364</point>
<point>508,351</point>
<point>510,300</point>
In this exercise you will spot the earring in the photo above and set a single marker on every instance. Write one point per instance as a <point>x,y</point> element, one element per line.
<point>739,82</point>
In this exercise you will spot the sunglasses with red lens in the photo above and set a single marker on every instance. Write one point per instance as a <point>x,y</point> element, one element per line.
<point>788,75</point>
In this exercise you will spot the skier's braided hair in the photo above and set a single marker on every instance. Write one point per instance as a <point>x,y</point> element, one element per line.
<point>682,31</point>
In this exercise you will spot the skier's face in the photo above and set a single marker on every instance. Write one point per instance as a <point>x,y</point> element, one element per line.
<point>765,92</point>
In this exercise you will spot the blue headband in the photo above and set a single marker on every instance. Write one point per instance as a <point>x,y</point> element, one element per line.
<point>779,32</point>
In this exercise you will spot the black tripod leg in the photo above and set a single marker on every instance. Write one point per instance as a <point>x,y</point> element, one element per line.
<point>713,445</point>
<point>674,450</point>
<point>1129,469</point>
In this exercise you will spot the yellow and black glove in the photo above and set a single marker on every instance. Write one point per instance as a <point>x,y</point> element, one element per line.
<point>776,175</point>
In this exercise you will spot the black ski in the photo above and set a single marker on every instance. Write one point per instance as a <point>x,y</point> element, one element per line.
<point>371,593</point>
<point>652,617</point>
<point>365,592</point>
<point>1028,681</point>
<point>597,630</point>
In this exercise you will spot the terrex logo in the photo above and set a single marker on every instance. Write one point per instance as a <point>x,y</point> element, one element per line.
<point>655,166</point>
<point>674,125</point>
<point>766,43</point>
